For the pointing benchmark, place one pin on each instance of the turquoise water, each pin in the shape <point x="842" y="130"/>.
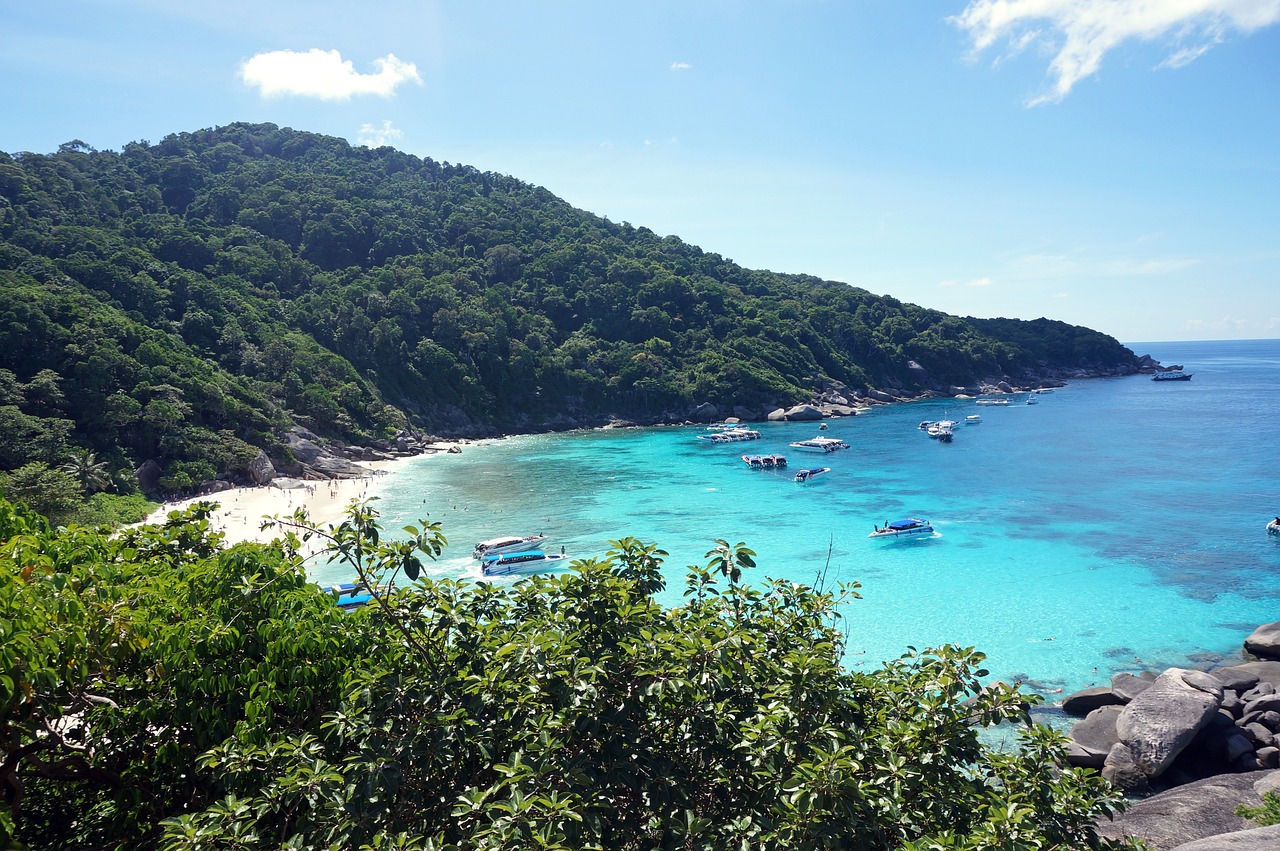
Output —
<point x="1117" y="525"/>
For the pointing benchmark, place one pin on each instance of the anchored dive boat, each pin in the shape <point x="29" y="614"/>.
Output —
<point x="903" y="528"/>
<point x="508" y="544"/>
<point x="810" y="473"/>
<point x="510" y="564"/>
<point x="820" y="444"/>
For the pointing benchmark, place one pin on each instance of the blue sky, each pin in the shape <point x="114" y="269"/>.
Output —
<point x="1112" y="163"/>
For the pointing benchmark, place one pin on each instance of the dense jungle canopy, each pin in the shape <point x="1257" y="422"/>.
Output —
<point x="186" y="301"/>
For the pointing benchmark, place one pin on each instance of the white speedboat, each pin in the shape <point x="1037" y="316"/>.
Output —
<point x="509" y="544"/>
<point x="1273" y="528"/>
<point x="942" y="430"/>
<point x="732" y="435"/>
<point x="810" y="473"/>
<point x="820" y="444"/>
<point x="531" y="561"/>
<point x="973" y="419"/>
<point x="903" y="528"/>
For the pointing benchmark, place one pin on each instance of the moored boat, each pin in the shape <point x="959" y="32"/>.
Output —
<point x="810" y="473"/>
<point x="903" y="528"/>
<point x="1273" y="528"/>
<point x="820" y="444"/>
<point x="1172" y="375"/>
<point x="531" y="561"/>
<point x="351" y="595"/>
<point x="732" y="435"/>
<point x="973" y="419"/>
<point x="510" y="543"/>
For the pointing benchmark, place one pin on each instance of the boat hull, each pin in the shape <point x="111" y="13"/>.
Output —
<point x="498" y="566"/>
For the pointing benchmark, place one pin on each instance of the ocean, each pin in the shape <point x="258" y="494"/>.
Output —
<point x="1117" y="525"/>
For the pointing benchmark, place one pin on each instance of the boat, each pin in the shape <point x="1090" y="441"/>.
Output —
<point x="351" y="595"/>
<point x="511" y="543"/>
<point x="529" y="561"/>
<point x="1032" y="400"/>
<point x="991" y="401"/>
<point x="903" y="528"/>
<point x="942" y="430"/>
<point x="973" y="419"/>
<point x="1273" y="528"/>
<point x="820" y="444"/>
<point x="810" y="473"/>
<point x="731" y="435"/>
<point x="757" y="462"/>
<point x="1172" y="375"/>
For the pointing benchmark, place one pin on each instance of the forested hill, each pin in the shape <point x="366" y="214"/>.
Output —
<point x="188" y="300"/>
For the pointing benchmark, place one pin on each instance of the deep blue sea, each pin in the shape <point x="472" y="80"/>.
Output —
<point x="1116" y="525"/>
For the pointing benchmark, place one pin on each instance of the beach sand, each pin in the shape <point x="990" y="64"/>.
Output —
<point x="241" y="510"/>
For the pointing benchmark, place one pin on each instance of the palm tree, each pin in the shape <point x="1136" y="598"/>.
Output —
<point x="84" y="466"/>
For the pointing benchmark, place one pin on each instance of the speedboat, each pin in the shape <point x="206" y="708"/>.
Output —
<point x="1032" y="400"/>
<point x="903" y="528"/>
<point x="820" y="444"/>
<point x="810" y="473"/>
<point x="1273" y="528"/>
<point x="530" y="561"/>
<point x="942" y="430"/>
<point x="973" y="419"/>
<point x="511" y="543"/>
<point x="352" y="595"/>
<point x="732" y="435"/>
<point x="1172" y="375"/>
<point x="755" y="462"/>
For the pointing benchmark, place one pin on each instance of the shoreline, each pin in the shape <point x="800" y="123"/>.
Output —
<point x="242" y="510"/>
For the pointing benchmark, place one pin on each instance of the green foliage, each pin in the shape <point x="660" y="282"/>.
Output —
<point x="113" y="510"/>
<point x="171" y="693"/>
<point x="53" y="493"/>
<point x="243" y="278"/>
<point x="1265" y="815"/>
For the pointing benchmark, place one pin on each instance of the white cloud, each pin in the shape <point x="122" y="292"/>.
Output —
<point x="1083" y="31"/>
<point x="324" y="74"/>
<point x="972" y="282"/>
<point x="1226" y="323"/>
<point x="376" y="137"/>
<point x="680" y="66"/>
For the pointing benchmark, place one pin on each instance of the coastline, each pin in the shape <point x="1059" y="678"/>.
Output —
<point x="241" y="510"/>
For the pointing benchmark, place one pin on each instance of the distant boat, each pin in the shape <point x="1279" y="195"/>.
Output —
<point x="731" y="435"/>
<point x="1172" y="375"/>
<point x="819" y="444"/>
<point x="973" y="419"/>
<point x="811" y="473"/>
<point x="903" y="528"/>
<point x="508" y="544"/>
<point x="510" y="564"/>
<point x="1273" y="528"/>
<point x="352" y="595"/>
<point x="757" y="462"/>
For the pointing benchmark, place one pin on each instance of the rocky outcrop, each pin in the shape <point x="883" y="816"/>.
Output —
<point x="1093" y="738"/>
<point x="803" y="413"/>
<point x="1258" y="839"/>
<point x="1193" y="812"/>
<point x="148" y="475"/>
<point x="261" y="470"/>
<point x="1264" y="642"/>
<point x="1083" y="702"/>
<point x="1159" y="723"/>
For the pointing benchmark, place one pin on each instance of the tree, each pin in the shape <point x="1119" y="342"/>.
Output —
<point x="217" y="699"/>
<point x="83" y="465"/>
<point x="53" y="493"/>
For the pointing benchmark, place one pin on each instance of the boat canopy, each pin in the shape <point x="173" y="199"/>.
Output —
<point x="904" y="524"/>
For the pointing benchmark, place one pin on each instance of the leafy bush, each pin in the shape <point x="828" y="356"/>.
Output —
<point x="171" y="692"/>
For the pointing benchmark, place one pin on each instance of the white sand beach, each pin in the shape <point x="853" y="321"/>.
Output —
<point x="241" y="510"/>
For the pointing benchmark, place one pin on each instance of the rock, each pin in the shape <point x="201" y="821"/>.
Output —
<point x="148" y="475"/>
<point x="742" y="414"/>
<point x="1094" y="737"/>
<point x="1262" y="689"/>
<point x="1082" y="702"/>
<point x="1258" y="839"/>
<point x="1265" y="671"/>
<point x="1188" y="813"/>
<point x="260" y="469"/>
<point x="1236" y="679"/>
<point x="1126" y="686"/>
<point x="880" y="396"/>
<point x="1004" y="387"/>
<point x="1121" y="770"/>
<point x="1160" y="722"/>
<point x="704" y="413"/>
<point x="777" y="415"/>
<point x="1263" y="703"/>
<point x="1268" y="757"/>
<point x="1259" y="734"/>
<point x="803" y="413"/>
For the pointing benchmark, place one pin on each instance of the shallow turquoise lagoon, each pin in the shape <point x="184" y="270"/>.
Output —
<point x="1118" y="524"/>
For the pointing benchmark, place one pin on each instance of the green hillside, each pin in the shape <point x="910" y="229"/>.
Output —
<point x="187" y="301"/>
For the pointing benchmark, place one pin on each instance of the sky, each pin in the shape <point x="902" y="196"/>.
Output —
<point x="1108" y="163"/>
